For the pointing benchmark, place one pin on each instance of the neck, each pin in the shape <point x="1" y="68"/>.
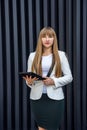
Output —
<point x="47" y="51"/>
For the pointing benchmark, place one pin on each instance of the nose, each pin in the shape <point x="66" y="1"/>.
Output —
<point x="47" y="38"/>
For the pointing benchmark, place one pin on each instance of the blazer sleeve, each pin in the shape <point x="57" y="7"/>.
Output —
<point x="29" y="64"/>
<point x="67" y="75"/>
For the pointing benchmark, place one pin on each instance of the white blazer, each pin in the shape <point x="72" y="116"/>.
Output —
<point x="53" y="91"/>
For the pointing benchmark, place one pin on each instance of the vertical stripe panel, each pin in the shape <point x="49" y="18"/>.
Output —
<point x="23" y="44"/>
<point x="53" y="13"/>
<point x="84" y="67"/>
<point x="31" y="22"/>
<point x="37" y="18"/>
<point x="61" y="24"/>
<point x="78" y="52"/>
<point x="1" y="77"/>
<point x="16" y="77"/>
<point x="8" y="64"/>
<point x="77" y="75"/>
<point x="45" y="12"/>
<point x="69" y="55"/>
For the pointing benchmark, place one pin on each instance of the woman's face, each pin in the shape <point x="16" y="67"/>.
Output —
<point x="47" y="41"/>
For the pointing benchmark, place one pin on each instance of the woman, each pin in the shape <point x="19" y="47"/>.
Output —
<point x="47" y="97"/>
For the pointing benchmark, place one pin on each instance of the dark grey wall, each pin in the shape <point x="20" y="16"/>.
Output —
<point x="20" y="23"/>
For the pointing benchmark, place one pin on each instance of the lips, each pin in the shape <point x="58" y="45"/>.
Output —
<point x="47" y="43"/>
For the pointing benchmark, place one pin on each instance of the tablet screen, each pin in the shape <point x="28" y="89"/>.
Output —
<point x="31" y="74"/>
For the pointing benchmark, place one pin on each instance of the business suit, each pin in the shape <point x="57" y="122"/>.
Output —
<point x="53" y="91"/>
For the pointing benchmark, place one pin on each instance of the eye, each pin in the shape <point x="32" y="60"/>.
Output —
<point x="50" y="36"/>
<point x="44" y="35"/>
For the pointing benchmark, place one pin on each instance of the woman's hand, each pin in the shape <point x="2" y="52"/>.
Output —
<point x="30" y="80"/>
<point x="48" y="81"/>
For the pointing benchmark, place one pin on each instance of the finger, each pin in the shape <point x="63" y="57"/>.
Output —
<point x="24" y="77"/>
<point x="46" y="78"/>
<point x="27" y="76"/>
<point x="30" y="77"/>
<point x="35" y="78"/>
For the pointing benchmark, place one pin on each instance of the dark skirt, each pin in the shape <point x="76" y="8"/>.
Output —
<point x="47" y="112"/>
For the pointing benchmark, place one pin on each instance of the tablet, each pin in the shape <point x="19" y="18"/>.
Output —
<point x="32" y="74"/>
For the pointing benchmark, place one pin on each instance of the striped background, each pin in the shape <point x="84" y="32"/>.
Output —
<point x="20" y="23"/>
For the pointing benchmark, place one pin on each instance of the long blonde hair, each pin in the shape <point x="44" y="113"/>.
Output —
<point x="36" y="65"/>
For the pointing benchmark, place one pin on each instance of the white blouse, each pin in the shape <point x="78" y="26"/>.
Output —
<point x="46" y="63"/>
